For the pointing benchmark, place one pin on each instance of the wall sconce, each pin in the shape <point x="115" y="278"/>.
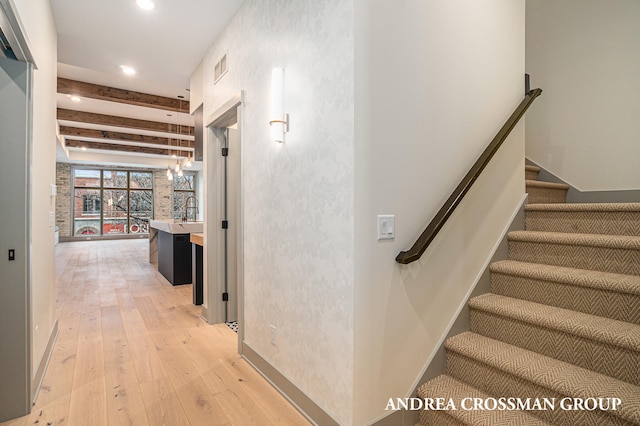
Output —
<point x="279" y="120"/>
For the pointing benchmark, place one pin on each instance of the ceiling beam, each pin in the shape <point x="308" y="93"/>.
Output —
<point x="73" y="143"/>
<point x="106" y="135"/>
<point x="106" y="93"/>
<point x="132" y="123"/>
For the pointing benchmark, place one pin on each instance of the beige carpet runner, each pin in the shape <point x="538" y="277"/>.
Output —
<point x="561" y="324"/>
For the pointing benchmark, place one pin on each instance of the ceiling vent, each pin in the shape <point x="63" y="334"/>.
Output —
<point x="220" y="69"/>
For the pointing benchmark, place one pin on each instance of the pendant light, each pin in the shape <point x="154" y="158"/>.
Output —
<point x="188" y="161"/>
<point x="178" y="169"/>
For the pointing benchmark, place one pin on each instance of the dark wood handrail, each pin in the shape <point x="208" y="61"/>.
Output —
<point x="463" y="187"/>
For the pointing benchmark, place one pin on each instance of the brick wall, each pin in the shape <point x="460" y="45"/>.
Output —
<point x="63" y="199"/>
<point x="162" y="195"/>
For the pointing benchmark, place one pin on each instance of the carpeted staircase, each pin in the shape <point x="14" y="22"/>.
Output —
<point x="562" y="320"/>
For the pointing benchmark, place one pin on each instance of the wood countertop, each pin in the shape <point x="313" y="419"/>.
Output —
<point x="197" y="239"/>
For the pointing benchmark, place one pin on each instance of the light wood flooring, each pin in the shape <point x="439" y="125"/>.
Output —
<point x="133" y="350"/>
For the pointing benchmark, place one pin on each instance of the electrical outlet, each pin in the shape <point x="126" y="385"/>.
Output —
<point x="273" y="334"/>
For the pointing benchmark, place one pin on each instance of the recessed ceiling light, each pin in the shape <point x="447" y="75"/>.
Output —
<point x="84" y="148"/>
<point x="145" y="4"/>
<point x="75" y="98"/>
<point x="127" y="70"/>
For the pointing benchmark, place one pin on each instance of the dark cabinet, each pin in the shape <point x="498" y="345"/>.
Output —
<point x="197" y="284"/>
<point x="174" y="257"/>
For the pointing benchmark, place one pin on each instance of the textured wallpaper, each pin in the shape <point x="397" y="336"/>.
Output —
<point x="298" y="196"/>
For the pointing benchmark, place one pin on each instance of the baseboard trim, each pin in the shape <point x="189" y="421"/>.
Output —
<point x="44" y="362"/>
<point x="437" y="363"/>
<point x="295" y="396"/>
<point x="575" y="195"/>
<point x="204" y="314"/>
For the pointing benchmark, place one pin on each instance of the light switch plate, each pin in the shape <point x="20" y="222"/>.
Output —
<point x="52" y="219"/>
<point x="386" y="226"/>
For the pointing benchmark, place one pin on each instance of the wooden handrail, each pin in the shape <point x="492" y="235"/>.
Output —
<point x="463" y="187"/>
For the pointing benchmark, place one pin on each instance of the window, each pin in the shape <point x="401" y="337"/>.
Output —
<point x="90" y="204"/>
<point x="115" y="179"/>
<point x="87" y="178"/>
<point x="115" y="212"/>
<point x="112" y="202"/>
<point x="183" y="188"/>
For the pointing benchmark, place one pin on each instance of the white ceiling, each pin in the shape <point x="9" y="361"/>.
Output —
<point x="164" y="45"/>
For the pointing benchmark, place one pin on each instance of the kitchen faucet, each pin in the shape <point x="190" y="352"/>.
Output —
<point x="190" y="207"/>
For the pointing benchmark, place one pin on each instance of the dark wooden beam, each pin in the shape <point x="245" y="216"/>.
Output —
<point x="112" y="94"/>
<point x="127" y="148"/>
<point x="127" y="137"/>
<point x="132" y="123"/>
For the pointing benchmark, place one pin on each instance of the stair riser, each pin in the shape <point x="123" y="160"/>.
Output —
<point x="502" y="384"/>
<point x="438" y="418"/>
<point x="460" y="410"/>
<point x="530" y="175"/>
<point x="594" y="301"/>
<point x="546" y="195"/>
<point x="459" y="399"/>
<point x="447" y="418"/>
<point x="617" y="362"/>
<point x="616" y="260"/>
<point x="611" y="223"/>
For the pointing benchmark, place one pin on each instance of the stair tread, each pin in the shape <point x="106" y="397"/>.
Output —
<point x="555" y="375"/>
<point x="621" y="283"/>
<point x="604" y="330"/>
<point x="599" y="240"/>
<point x="532" y="168"/>
<point x="447" y="387"/>
<point x="547" y="185"/>
<point x="584" y="207"/>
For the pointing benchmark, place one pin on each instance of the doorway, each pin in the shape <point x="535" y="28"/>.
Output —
<point x="16" y="390"/>
<point x="232" y="202"/>
<point x="223" y="270"/>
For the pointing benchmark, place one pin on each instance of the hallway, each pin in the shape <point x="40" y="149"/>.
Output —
<point x="132" y="349"/>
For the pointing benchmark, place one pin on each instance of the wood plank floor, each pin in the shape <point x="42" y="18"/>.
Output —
<point x="132" y="350"/>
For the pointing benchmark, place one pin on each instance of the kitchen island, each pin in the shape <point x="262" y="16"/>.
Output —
<point x="197" y="241"/>
<point x="170" y="248"/>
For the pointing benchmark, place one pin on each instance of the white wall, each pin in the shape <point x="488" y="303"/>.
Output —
<point x="435" y="81"/>
<point x="196" y="88"/>
<point x="298" y="196"/>
<point x="37" y="19"/>
<point x="584" y="54"/>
